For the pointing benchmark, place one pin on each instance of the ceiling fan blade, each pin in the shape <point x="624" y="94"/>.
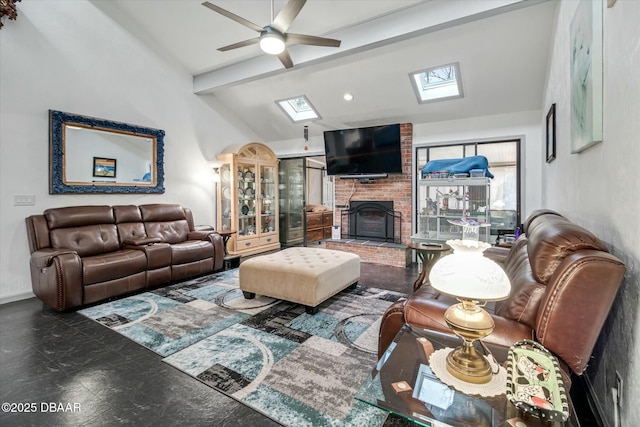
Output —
<point x="311" y="40"/>
<point x="239" y="44"/>
<point x="233" y="16"/>
<point x="285" y="59"/>
<point x="286" y="16"/>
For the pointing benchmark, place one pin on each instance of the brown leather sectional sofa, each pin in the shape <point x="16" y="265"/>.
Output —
<point x="563" y="283"/>
<point x="84" y="254"/>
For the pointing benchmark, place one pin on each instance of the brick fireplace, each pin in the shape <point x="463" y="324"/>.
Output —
<point x="395" y="188"/>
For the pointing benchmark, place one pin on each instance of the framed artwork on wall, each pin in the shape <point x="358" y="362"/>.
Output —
<point x="551" y="133"/>
<point x="104" y="168"/>
<point x="586" y="75"/>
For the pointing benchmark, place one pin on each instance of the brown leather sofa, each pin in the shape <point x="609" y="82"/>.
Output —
<point x="563" y="283"/>
<point x="84" y="254"/>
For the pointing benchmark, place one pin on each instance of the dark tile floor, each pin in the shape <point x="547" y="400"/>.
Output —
<point x="48" y="359"/>
<point x="51" y="359"/>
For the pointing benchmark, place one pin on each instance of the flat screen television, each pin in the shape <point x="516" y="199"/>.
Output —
<point x="361" y="151"/>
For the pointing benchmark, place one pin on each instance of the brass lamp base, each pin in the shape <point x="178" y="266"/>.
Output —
<point x="469" y="322"/>
<point x="466" y="364"/>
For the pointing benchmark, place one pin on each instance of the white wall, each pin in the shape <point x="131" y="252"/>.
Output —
<point x="70" y="56"/>
<point x="600" y="187"/>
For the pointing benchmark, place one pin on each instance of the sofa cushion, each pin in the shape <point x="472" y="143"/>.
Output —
<point x="167" y="222"/>
<point x="190" y="251"/>
<point x="162" y="212"/>
<point x="132" y="231"/>
<point x="552" y="240"/>
<point x="87" y="240"/>
<point x="127" y="213"/>
<point x="77" y="216"/>
<point x="129" y="223"/>
<point x="113" y="265"/>
<point x="526" y="293"/>
<point x="542" y="214"/>
<point x="169" y="232"/>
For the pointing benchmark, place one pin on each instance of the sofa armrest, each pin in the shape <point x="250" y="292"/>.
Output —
<point x="390" y="324"/>
<point x="44" y="257"/>
<point x="56" y="278"/>
<point x="218" y="245"/>
<point x="200" y="235"/>
<point x="218" y="250"/>
<point x="141" y="241"/>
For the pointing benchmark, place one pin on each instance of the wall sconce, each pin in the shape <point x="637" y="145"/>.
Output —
<point x="215" y="170"/>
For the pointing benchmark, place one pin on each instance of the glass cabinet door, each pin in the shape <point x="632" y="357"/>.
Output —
<point x="247" y="219"/>
<point x="267" y="199"/>
<point x="225" y="197"/>
<point x="292" y="201"/>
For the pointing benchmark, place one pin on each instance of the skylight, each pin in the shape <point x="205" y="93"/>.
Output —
<point x="298" y="109"/>
<point x="438" y="83"/>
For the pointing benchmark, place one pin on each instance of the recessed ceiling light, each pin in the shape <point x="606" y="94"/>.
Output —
<point x="348" y="96"/>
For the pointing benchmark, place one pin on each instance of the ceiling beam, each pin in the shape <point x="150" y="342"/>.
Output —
<point x="413" y="21"/>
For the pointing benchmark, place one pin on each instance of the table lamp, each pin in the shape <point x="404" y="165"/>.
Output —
<point x="470" y="277"/>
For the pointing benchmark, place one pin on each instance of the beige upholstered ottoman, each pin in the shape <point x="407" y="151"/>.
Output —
<point x="305" y="276"/>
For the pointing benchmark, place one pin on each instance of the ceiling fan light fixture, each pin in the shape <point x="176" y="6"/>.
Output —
<point x="274" y="37"/>
<point x="272" y="43"/>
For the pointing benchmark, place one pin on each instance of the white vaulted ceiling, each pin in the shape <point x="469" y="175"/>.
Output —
<point x="502" y="48"/>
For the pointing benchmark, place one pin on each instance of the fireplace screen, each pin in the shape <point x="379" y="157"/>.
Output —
<point x="371" y="220"/>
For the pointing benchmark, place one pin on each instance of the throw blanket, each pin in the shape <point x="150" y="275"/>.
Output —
<point x="462" y="165"/>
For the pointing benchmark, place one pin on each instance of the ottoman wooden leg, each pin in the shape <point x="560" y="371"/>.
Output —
<point x="249" y="295"/>
<point x="311" y="310"/>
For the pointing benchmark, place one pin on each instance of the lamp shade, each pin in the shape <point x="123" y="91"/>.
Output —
<point x="467" y="274"/>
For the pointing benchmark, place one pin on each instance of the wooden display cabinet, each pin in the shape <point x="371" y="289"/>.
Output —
<point x="248" y="198"/>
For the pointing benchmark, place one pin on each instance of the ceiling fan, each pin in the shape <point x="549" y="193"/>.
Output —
<point x="274" y="38"/>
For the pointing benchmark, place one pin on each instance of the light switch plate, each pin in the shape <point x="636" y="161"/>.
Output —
<point x="24" y="200"/>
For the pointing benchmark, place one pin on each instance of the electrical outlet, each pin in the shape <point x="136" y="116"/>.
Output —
<point x="619" y="385"/>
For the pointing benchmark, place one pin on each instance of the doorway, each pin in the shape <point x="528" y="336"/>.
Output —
<point x="303" y="183"/>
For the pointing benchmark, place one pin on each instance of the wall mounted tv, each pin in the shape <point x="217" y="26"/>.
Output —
<point x="363" y="151"/>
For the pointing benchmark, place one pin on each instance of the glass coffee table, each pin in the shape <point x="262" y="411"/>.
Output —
<point x="402" y="383"/>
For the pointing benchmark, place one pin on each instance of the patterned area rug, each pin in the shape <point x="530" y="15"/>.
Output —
<point x="169" y="319"/>
<point x="296" y="368"/>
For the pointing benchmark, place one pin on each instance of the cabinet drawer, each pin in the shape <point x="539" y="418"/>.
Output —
<point x="327" y="218"/>
<point x="243" y="244"/>
<point x="313" y="235"/>
<point x="314" y="220"/>
<point x="295" y="233"/>
<point x="269" y="240"/>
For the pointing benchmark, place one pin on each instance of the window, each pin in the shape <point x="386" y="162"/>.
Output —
<point x="504" y="164"/>
<point x="438" y="83"/>
<point x="298" y="109"/>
